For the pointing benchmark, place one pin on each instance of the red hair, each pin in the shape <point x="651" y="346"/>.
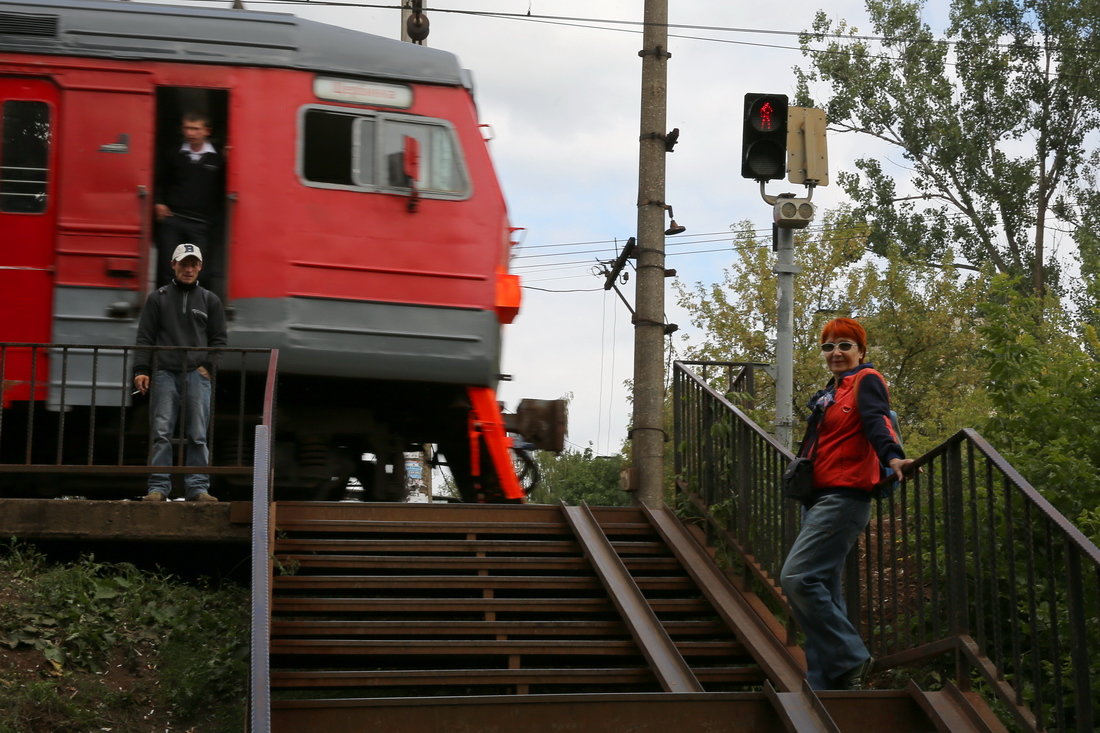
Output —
<point x="846" y="328"/>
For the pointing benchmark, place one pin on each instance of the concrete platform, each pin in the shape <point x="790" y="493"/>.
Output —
<point x="125" y="521"/>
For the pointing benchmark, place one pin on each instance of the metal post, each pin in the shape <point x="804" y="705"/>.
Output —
<point x="677" y="420"/>
<point x="647" y="432"/>
<point x="1079" y="645"/>
<point x="785" y="270"/>
<point x="958" y="605"/>
<point x="260" y="680"/>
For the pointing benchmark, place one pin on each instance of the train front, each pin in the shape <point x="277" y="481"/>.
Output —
<point x="369" y="242"/>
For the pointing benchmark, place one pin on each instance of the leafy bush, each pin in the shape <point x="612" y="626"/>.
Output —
<point x="185" y="645"/>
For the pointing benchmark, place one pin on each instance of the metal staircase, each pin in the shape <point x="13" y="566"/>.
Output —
<point x="414" y="617"/>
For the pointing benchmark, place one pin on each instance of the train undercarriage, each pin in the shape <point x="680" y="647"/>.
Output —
<point x="334" y="439"/>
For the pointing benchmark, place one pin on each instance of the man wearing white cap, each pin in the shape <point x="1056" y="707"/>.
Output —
<point x="181" y="313"/>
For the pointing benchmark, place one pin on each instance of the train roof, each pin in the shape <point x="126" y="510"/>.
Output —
<point x="131" y="30"/>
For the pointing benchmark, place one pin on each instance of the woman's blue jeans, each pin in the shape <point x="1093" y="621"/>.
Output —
<point x="811" y="578"/>
<point x="170" y="392"/>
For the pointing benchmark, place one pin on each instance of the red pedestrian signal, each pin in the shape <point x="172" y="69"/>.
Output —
<point x="764" y="141"/>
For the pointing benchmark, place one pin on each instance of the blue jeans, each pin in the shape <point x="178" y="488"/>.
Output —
<point x="170" y="390"/>
<point x="811" y="578"/>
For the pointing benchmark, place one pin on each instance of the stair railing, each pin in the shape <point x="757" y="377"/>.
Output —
<point x="966" y="572"/>
<point x="72" y="410"/>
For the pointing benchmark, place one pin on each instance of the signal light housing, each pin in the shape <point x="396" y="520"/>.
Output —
<point x="792" y="213"/>
<point x="764" y="141"/>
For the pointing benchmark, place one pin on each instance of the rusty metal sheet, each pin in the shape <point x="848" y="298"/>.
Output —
<point x="461" y="515"/>
<point x="769" y="652"/>
<point x="455" y="629"/>
<point x="435" y="563"/>
<point x="450" y="562"/>
<point x="875" y="710"/>
<point x="421" y="546"/>
<point x="570" y="676"/>
<point x="800" y="711"/>
<point x="637" y="713"/>
<point x="669" y="667"/>
<point x="354" y="525"/>
<point x="309" y="583"/>
<point x="952" y="712"/>
<point x="451" y="647"/>
<point x="449" y="605"/>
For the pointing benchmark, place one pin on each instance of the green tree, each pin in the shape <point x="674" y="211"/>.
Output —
<point x="576" y="476"/>
<point x="1044" y="388"/>
<point x="920" y="320"/>
<point x="993" y="122"/>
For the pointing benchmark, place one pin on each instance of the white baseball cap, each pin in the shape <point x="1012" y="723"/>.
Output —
<point x="186" y="250"/>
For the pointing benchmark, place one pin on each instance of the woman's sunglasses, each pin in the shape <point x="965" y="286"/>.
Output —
<point x="828" y="347"/>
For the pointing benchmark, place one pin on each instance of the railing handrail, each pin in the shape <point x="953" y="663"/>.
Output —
<point x="262" y="559"/>
<point x="133" y="347"/>
<point x="706" y="362"/>
<point x="967" y="557"/>
<point x="763" y="435"/>
<point x="47" y="380"/>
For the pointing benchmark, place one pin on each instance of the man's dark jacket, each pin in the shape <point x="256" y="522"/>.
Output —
<point x="180" y="315"/>
<point x="191" y="189"/>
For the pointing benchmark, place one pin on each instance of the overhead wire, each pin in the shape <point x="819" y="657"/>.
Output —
<point x="735" y="239"/>
<point x="584" y="21"/>
<point x="604" y="23"/>
<point x="633" y="25"/>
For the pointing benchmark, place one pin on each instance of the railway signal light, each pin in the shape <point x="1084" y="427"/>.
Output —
<point x="792" y="213"/>
<point x="764" y="142"/>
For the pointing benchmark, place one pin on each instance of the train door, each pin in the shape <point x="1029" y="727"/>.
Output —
<point x="103" y="225"/>
<point x="28" y="206"/>
<point x="203" y="192"/>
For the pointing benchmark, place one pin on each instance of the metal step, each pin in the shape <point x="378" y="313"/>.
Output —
<point x="801" y="711"/>
<point x="536" y="618"/>
<point x="951" y="711"/>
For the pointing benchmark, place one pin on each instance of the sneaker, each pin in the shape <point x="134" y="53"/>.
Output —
<point x="204" y="496"/>
<point x="853" y="679"/>
<point x="155" y="496"/>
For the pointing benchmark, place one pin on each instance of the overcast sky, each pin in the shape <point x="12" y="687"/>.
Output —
<point x="562" y="99"/>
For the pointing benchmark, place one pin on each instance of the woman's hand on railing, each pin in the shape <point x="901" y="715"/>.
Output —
<point x="900" y="466"/>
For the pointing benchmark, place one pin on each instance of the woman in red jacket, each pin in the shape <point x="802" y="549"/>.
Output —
<point x="853" y="440"/>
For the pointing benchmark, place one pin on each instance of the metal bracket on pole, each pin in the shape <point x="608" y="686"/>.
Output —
<point x="620" y="262"/>
<point x="771" y="200"/>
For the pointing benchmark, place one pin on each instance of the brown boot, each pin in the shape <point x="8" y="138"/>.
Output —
<point x="155" y="496"/>
<point x="204" y="496"/>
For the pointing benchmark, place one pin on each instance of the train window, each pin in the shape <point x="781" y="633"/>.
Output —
<point x="439" y="166"/>
<point x="342" y="149"/>
<point x="327" y="146"/>
<point x="24" y="156"/>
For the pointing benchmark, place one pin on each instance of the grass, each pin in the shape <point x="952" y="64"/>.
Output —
<point x="89" y="646"/>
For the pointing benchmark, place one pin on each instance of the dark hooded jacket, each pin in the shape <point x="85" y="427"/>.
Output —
<point x="179" y="315"/>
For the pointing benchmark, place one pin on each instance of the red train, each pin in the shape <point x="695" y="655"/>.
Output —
<point x="384" y="293"/>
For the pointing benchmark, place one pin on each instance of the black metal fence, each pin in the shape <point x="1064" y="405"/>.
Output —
<point x="71" y="409"/>
<point x="966" y="571"/>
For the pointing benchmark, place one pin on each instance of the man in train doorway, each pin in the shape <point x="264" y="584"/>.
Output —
<point x="188" y="197"/>
<point x="181" y="313"/>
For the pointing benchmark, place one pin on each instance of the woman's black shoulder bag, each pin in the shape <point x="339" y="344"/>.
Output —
<point x="798" y="479"/>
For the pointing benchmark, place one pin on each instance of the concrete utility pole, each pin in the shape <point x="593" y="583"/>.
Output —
<point x="785" y="270"/>
<point x="647" y="433"/>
